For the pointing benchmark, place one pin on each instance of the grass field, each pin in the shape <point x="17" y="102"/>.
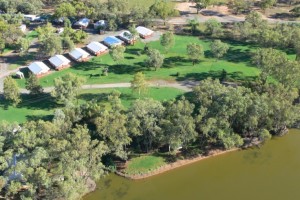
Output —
<point x="42" y="107"/>
<point x="236" y="63"/>
<point x="144" y="164"/>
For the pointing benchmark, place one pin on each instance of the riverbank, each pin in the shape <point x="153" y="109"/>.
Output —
<point x="174" y="165"/>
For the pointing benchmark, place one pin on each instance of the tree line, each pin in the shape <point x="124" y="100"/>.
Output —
<point x="57" y="158"/>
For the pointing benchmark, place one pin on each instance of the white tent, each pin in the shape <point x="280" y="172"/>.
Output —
<point x="100" y="23"/>
<point x="97" y="48"/>
<point x="84" y="22"/>
<point x="23" y="28"/>
<point x="79" y="54"/>
<point x="59" y="61"/>
<point x="144" y="32"/>
<point x="38" y="68"/>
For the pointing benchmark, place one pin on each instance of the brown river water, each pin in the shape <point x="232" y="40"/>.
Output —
<point x="271" y="172"/>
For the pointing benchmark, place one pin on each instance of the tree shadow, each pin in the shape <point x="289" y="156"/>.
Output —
<point x="127" y="69"/>
<point x="38" y="102"/>
<point x="233" y="76"/>
<point x="175" y="61"/>
<point x="134" y="51"/>
<point x="39" y="117"/>
<point x="103" y="97"/>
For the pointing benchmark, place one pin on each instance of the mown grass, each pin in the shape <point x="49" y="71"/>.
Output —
<point x="144" y="164"/>
<point x="236" y="63"/>
<point x="42" y="107"/>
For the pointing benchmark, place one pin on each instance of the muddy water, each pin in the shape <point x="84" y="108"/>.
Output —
<point x="271" y="172"/>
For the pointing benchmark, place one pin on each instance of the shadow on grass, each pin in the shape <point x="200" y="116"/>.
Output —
<point x="39" y="117"/>
<point x="233" y="76"/>
<point x="103" y="97"/>
<point x="234" y="55"/>
<point x="38" y="102"/>
<point x="175" y="61"/>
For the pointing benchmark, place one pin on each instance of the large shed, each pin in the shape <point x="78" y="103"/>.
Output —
<point x="112" y="41"/>
<point x="39" y="69"/>
<point x="59" y="62"/>
<point x="144" y="32"/>
<point x="79" y="55"/>
<point x="97" y="48"/>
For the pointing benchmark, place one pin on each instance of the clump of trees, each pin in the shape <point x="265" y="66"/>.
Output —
<point x="56" y="156"/>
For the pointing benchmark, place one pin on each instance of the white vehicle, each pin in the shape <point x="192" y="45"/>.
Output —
<point x="32" y="18"/>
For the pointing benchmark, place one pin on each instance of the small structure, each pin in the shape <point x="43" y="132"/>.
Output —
<point x="39" y="69"/>
<point x="31" y="18"/>
<point x="20" y="74"/>
<point x="82" y="23"/>
<point x="79" y="55"/>
<point x="59" y="62"/>
<point x="127" y="37"/>
<point x="144" y="32"/>
<point x="60" y="31"/>
<point x="101" y="24"/>
<point x="97" y="48"/>
<point x="112" y="41"/>
<point x="23" y="28"/>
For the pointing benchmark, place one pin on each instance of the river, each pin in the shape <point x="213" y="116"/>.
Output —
<point x="271" y="172"/>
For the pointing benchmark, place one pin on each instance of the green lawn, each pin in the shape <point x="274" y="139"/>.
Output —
<point x="144" y="164"/>
<point x="236" y="63"/>
<point x="42" y="107"/>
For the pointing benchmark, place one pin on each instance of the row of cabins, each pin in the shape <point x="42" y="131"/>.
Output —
<point x="60" y="62"/>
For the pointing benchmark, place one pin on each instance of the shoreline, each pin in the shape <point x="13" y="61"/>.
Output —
<point x="175" y="165"/>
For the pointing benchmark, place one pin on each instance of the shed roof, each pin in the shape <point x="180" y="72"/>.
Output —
<point x="126" y="35"/>
<point x="78" y="53"/>
<point x="59" y="60"/>
<point x="38" y="68"/>
<point x="83" y="22"/>
<point x="96" y="47"/>
<point x="143" y="30"/>
<point x="112" y="40"/>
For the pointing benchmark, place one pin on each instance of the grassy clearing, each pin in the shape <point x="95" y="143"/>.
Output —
<point x="42" y="107"/>
<point x="144" y="164"/>
<point x="236" y="63"/>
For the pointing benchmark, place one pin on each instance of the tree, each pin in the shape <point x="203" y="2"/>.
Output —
<point x="117" y="53"/>
<point x="213" y="28"/>
<point x="67" y="43"/>
<point x="22" y="46"/>
<point x="65" y="10"/>
<point x="218" y="48"/>
<point x="139" y="83"/>
<point x="50" y="46"/>
<point x="11" y="91"/>
<point x="167" y="40"/>
<point x="155" y="59"/>
<point x="296" y="11"/>
<point x="204" y="3"/>
<point x="194" y="24"/>
<point x="143" y="122"/>
<point x="134" y="33"/>
<point x="195" y="52"/>
<point x="111" y="127"/>
<point x="239" y="6"/>
<point x="66" y="87"/>
<point x="32" y="84"/>
<point x="2" y="45"/>
<point x="162" y="9"/>
<point x="178" y="124"/>
<point x="264" y="4"/>
<point x="268" y="60"/>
